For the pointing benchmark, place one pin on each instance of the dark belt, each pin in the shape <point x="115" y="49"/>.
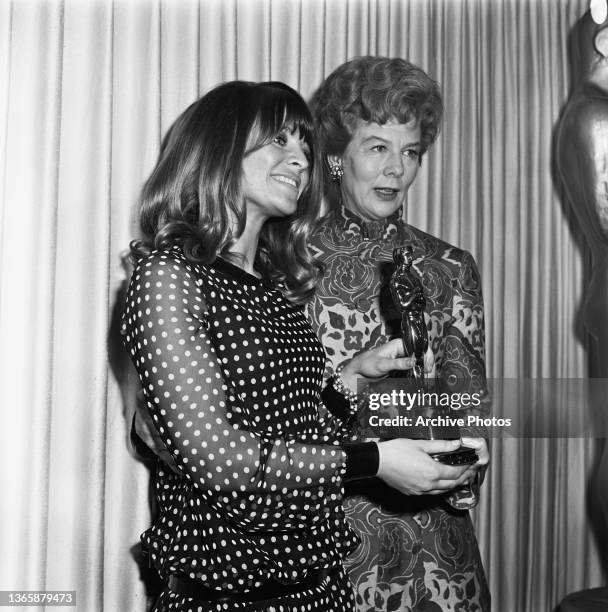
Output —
<point x="271" y="589"/>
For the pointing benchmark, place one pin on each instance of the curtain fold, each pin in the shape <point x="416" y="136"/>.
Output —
<point x="87" y="91"/>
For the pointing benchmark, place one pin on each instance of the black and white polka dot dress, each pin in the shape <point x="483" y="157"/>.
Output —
<point x="232" y="375"/>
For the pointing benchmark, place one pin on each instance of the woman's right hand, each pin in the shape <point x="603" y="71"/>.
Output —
<point x="406" y="465"/>
<point x="378" y="362"/>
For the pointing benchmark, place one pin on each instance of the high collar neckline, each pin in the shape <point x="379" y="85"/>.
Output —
<point x="368" y="229"/>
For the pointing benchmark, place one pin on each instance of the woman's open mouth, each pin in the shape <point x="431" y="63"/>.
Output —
<point x="386" y="193"/>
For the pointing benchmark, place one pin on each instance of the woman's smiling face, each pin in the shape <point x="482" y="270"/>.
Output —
<point x="275" y="175"/>
<point x="380" y="163"/>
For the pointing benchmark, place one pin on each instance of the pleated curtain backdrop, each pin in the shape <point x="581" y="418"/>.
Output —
<point x="87" y="90"/>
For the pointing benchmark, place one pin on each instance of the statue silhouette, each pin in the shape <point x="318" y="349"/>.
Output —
<point x="582" y="164"/>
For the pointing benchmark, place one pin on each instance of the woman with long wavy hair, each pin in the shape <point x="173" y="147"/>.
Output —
<point x="232" y="373"/>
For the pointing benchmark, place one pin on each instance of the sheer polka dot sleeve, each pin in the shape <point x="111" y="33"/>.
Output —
<point x="238" y="428"/>
<point x="335" y="423"/>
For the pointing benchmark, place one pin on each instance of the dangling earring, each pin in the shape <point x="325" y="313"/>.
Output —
<point x="336" y="171"/>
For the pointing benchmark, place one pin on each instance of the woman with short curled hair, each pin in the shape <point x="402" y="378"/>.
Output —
<point x="376" y="117"/>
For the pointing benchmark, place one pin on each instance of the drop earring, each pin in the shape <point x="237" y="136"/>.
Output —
<point x="336" y="171"/>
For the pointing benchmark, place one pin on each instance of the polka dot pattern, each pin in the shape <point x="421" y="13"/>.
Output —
<point x="333" y="595"/>
<point x="232" y="373"/>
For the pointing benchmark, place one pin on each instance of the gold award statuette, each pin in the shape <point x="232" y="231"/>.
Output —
<point x="408" y="295"/>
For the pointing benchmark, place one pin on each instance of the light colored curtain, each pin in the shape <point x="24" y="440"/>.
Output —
<point x="87" y="90"/>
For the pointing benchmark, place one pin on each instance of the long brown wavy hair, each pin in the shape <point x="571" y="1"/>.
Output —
<point x="194" y="193"/>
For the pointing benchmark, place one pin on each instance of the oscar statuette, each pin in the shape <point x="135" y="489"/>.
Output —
<point x="408" y="295"/>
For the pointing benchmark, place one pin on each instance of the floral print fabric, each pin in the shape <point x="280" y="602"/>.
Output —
<point x="416" y="553"/>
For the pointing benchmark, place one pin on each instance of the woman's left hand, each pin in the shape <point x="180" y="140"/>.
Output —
<point x="481" y="448"/>
<point x="483" y="454"/>
<point x="378" y="362"/>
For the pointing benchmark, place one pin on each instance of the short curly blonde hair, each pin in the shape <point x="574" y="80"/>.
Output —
<point x="375" y="89"/>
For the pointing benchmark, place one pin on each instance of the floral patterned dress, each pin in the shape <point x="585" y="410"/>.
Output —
<point x="417" y="553"/>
